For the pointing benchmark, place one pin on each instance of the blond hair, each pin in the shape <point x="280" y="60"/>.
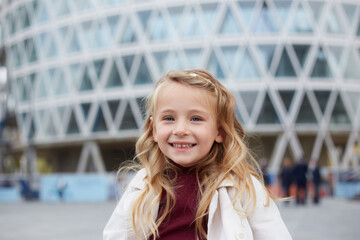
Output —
<point x="230" y="159"/>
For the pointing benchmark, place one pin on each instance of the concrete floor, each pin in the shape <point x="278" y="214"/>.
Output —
<point x="333" y="219"/>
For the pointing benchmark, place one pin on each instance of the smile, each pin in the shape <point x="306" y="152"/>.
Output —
<point x="179" y="145"/>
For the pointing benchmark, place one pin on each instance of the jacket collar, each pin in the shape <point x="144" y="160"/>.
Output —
<point x="139" y="183"/>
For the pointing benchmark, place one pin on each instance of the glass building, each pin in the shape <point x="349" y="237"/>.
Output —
<point x="79" y="71"/>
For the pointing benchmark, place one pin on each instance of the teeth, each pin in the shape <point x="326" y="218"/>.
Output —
<point x="182" y="145"/>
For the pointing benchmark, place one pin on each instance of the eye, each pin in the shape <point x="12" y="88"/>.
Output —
<point x="168" y="118"/>
<point x="196" y="119"/>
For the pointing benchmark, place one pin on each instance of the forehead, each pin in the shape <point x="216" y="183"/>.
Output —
<point x="171" y="89"/>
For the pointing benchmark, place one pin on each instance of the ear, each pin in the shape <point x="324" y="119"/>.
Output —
<point x="153" y="129"/>
<point x="219" y="137"/>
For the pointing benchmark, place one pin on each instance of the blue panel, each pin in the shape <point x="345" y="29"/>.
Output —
<point x="74" y="188"/>
<point x="10" y="194"/>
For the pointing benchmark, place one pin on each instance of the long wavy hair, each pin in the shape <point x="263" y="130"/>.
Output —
<point x="230" y="159"/>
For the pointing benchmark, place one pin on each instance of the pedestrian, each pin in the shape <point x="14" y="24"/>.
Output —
<point x="299" y="173"/>
<point x="316" y="179"/>
<point x="197" y="179"/>
<point x="265" y="173"/>
<point x="286" y="177"/>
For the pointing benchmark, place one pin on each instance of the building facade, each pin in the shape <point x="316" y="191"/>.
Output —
<point x="79" y="71"/>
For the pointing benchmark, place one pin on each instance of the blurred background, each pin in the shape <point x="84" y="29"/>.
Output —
<point x="74" y="74"/>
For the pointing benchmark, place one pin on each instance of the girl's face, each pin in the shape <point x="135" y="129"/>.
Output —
<point x="184" y="123"/>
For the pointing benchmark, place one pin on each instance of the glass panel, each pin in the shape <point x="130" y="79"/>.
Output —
<point x="352" y="69"/>
<point x="159" y="29"/>
<point x="99" y="123"/>
<point x="113" y="25"/>
<point x="101" y="36"/>
<point x="317" y="9"/>
<point x="214" y="67"/>
<point x="113" y="2"/>
<point x="144" y="17"/>
<point x="268" y="114"/>
<point x="85" y="5"/>
<point x="98" y="66"/>
<point x="192" y="26"/>
<point x="24" y="90"/>
<point x="42" y="90"/>
<point x="143" y="75"/>
<point x="176" y="16"/>
<point x="283" y="8"/>
<point x="238" y="115"/>
<point x="229" y="53"/>
<point x="75" y="71"/>
<point x="287" y="97"/>
<point x="230" y="24"/>
<point x="141" y="102"/>
<point x="339" y="114"/>
<point x="306" y="113"/>
<point x="267" y="54"/>
<point x="128" y="121"/>
<point x="333" y="24"/>
<point x="161" y="60"/>
<point x="25" y="20"/>
<point x="63" y="9"/>
<point x="88" y="34"/>
<point x="63" y="33"/>
<point x="265" y="22"/>
<point x="42" y="13"/>
<point x="73" y="127"/>
<point x="113" y="106"/>
<point x="350" y="12"/>
<point x="128" y="62"/>
<point x="322" y="98"/>
<point x="247" y="10"/>
<point x="74" y="45"/>
<point x="86" y="83"/>
<point x="33" y="55"/>
<point x="335" y="53"/>
<point x="355" y="100"/>
<point x="174" y="61"/>
<point x="52" y="50"/>
<point x="50" y="129"/>
<point x="247" y="68"/>
<point x="61" y="113"/>
<point x="85" y="107"/>
<point x="285" y="67"/>
<point x="249" y="99"/>
<point x="61" y="88"/>
<point x="321" y="67"/>
<point x="301" y="22"/>
<point x="302" y="52"/>
<point x="129" y="34"/>
<point x="210" y="12"/>
<point x="114" y="79"/>
<point x="193" y="57"/>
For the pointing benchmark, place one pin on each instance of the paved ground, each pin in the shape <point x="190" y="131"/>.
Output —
<point x="333" y="219"/>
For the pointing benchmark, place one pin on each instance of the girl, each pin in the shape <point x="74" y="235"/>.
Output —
<point x="197" y="179"/>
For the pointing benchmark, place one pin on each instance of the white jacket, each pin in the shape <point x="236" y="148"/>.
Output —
<point x="224" y="223"/>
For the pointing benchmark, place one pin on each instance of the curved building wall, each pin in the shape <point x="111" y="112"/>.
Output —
<point x="80" y="69"/>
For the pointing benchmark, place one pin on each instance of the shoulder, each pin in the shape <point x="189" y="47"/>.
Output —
<point x="138" y="180"/>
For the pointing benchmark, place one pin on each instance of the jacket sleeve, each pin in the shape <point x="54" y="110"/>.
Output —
<point x="119" y="226"/>
<point x="266" y="222"/>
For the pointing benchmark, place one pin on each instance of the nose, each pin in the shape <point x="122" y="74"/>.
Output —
<point x="181" y="129"/>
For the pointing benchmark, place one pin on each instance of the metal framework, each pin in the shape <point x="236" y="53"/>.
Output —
<point x="80" y="69"/>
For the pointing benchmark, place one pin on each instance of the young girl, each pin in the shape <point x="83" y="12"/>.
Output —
<point x="197" y="179"/>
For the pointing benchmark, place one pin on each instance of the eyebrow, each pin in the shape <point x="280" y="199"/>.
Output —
<point x="191" y="111"/>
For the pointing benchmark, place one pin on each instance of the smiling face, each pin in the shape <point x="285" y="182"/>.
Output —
<point x="184" y="123"/>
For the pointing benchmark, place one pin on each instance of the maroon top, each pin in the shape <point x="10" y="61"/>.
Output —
<point x="179" y="224"/>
